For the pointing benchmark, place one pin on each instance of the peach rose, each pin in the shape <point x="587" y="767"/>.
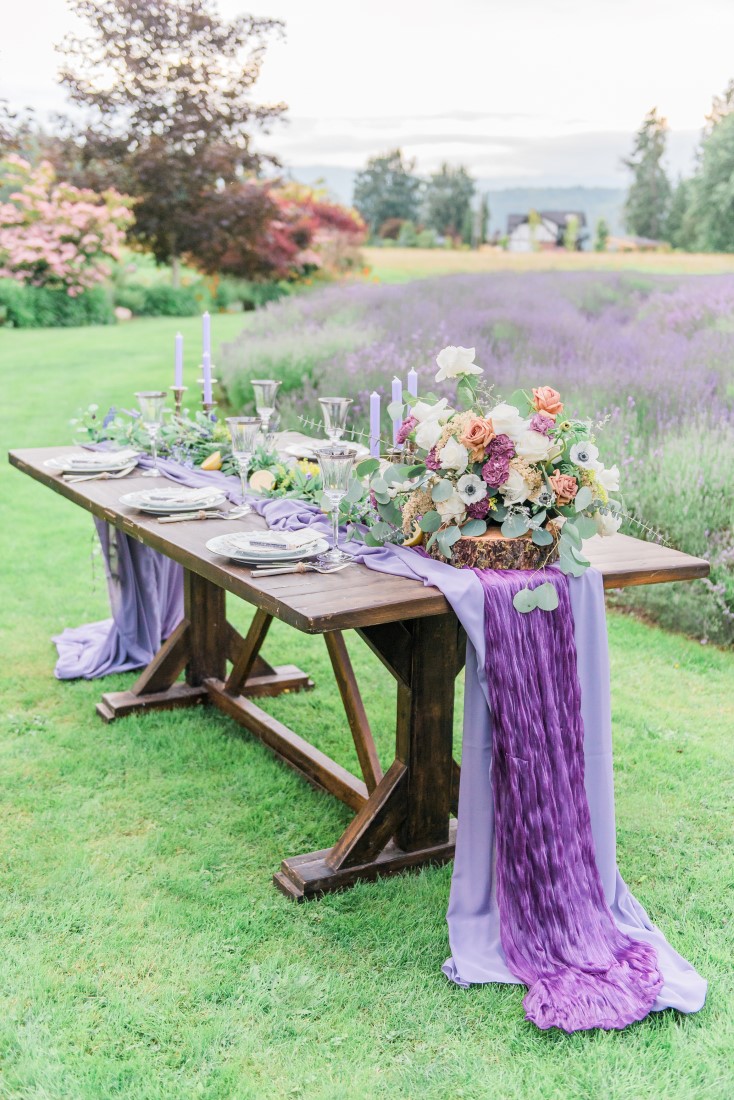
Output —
<point x="477" y="434"/>
<point x="546" y="400"/>
<point x="564" y="486"/>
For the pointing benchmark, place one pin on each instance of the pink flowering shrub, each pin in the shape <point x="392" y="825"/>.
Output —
<point x="55" y="235"/>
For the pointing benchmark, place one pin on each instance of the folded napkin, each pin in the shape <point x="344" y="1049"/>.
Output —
<point x="273" y="540"/>
<point x="183" y="496"/>
<point x="104" y="458"/>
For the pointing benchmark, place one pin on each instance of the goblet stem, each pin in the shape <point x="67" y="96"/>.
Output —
<point x="335" y="526"/>
<point x="153" y="436"/>
<point x="244" y="468"/>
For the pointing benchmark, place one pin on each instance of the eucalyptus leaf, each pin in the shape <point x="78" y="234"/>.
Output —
<point x="474" y="527"/>
<point x="570" y="533"/>
<point x="390" y="513"/>
<point x="499" y="512"/>
<point x="395" y="410"/>
<point x="541" y="537"/>
<point x="369" y="539"/>
<point x="442" y="490"/>
<point x="381" y="531"/>
<point x="431" y="521"/>
<point x="524" y="600"/>
<point x="378" y="485"/>
<point x="354" y="493"/>
<point x="521" y="401"/>
<point x="515" y="525"/>
<point x="579" y="556"/>
<point x="431" y="540"/>
<point x="546" y="596"/>
<point x="585" y="526"/>
<point x="465" y="393"/>
<point x="453" y="534"/>
<point x="367" y="466"/>
<point x="583" y="498"/>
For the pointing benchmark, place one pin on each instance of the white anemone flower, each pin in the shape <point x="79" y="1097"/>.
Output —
<point x="533" y="446"/>
<point x="584" y="454"/>
<point x="452" y="510"/>
<point x="607" y="524"/>
<point x="455" y="362"/>
<point x="506" y="420"/>
<point x="471" y="489"/>
<point x="453" y="456"/>
<point x="516" y="489"/>
<point x="609" y="479"/>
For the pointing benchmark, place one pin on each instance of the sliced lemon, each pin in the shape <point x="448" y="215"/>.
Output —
<point x="262" y="481"/>
<point x="213" y="462"/>
<point x="416" y="537"/>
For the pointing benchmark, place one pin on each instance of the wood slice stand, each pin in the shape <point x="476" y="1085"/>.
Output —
<point x="494" y="551"/>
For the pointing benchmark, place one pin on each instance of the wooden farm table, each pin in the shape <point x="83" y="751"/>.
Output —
<point x="403" y="818"/>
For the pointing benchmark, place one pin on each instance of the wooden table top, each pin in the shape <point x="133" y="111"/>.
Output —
<point x="313" y="602"/>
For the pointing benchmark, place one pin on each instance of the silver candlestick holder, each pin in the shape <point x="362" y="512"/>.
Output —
<point x="207" y="406"/>
<point x="178" y="392"/>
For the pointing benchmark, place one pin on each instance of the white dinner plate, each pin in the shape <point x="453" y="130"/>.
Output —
<point x="161" y="502"/>
<point x="223" y="547"/>
<point x="95" y="462"/>
<point x="303" y="450"/>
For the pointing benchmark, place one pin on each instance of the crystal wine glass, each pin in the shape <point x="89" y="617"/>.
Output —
<point x="334" y="411"/>
<point x="151" y="404"/>
<point x="266" y="390"/>
<point x="243" y="431"/>
<point x="336" y="467"/>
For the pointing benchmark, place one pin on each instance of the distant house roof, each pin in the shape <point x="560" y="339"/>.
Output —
<point x="558" y="217"/>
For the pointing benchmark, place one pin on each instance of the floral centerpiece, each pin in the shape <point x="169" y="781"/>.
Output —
<point x="517" y="470"/>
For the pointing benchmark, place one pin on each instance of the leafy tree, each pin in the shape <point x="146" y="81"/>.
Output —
<point x="648" y="199"/>
<point x="571" y="233"/>
<point x="713" y="189"/>
<point x="721" y="106"/>
<point x="448" y="201"/>
<point x="602" y="235"/>
<point x="483" y="219"/>
<point x="386" y="189"/>
<point x="167" y="90"/>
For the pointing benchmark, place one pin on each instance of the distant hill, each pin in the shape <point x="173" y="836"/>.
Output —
<point x="596" y="202"/>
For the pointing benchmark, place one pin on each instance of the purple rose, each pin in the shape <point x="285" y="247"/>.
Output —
<point x="432" y="462"/>
<point x="478" y="510"/>
<point x="406" y="428"/>
<point x="542" y="424"/>
<point x="496" y="470"/>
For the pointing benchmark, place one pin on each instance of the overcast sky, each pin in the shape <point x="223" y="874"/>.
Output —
<point x="521" y="91"/>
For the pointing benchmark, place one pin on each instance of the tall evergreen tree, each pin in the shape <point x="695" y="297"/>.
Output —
<point x="448" y="201"/>
<point x="387" y="188"/>
<point x="713" y="189"/>
<point x="648" y="198"/>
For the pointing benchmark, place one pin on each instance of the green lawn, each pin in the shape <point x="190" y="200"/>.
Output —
<point x="146" y="954"/>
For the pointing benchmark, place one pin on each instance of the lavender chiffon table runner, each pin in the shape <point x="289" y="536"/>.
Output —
<point x="552" y="914"/>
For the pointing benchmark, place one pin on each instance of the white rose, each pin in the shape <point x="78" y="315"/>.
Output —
<point x="607" y="524"/>
<point x="584" y="454"/>
<point x="515" y="490"/>
<point x="609" y="479"/>
<point x="506" y="420"/>
<point x="534" y="446"/>
<point x="439" y="411"/>
<point x="428" y="434"/>
<point x="402" y="487"/>
<point x="452" y="510"/>
<point x="453" y="456"/>
<point x="454" y="362"/>
<point x="471" y="489"/>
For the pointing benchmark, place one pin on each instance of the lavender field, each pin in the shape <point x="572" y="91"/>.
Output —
<point x="653" y="355"/>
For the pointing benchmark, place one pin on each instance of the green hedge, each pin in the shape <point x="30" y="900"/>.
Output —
<point x="23" y="306"/>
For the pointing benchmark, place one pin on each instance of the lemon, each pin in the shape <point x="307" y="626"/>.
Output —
<point x="416" y="537"/>
<point x="262" y="481"/>
<point x="213" y="462"/>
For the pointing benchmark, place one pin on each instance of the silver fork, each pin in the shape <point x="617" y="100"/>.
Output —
<point x="105" y="475"/>
<point x="204" y="513"/>
<point x="301" y="567"/>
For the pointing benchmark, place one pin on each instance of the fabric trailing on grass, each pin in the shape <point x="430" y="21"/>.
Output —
<point x="557" y="931"/>
<point x="536" y="896"/>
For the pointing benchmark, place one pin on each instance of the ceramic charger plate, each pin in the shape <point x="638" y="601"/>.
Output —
<point x="226" y="546"/>
<point x="93" y="462"/>
<point x="161" y="502"/>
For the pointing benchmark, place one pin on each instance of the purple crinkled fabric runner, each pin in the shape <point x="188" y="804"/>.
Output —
<point x="557" y="931"/>
<point x="536" y="896"/>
